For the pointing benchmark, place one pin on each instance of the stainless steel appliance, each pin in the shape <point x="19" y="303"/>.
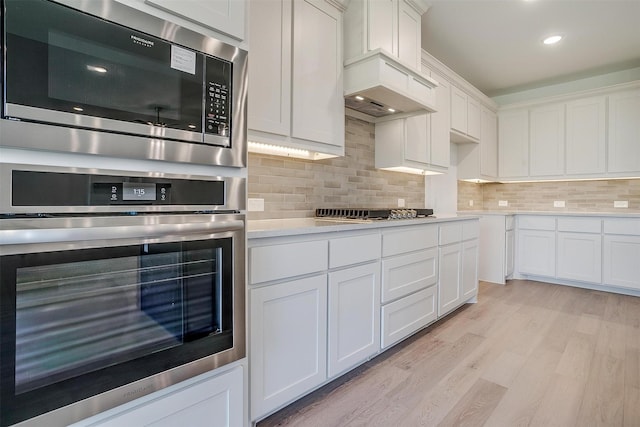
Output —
<point x="103" y="78"/>
<point x="372" y="213"/>
<point x="113" y="286"/>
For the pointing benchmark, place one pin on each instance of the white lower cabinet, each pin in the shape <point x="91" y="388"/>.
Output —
<point x="288" y="339"/>
<point x="212" y="401"/>
<point x="404" y="274"/>
<point x="458" y="264"/>
<point x="537" y="252"/>
<point x="580" y="257"/>
<point x="407" y="315"/>
<point x="622" y="261"/>
<point x="354" y="316"/>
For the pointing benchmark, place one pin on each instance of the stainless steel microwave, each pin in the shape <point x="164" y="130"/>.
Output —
<point x="103" y="78"/>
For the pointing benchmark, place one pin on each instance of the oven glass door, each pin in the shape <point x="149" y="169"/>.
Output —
<point x="81" y="322"/>
<point x="67" y="67"/>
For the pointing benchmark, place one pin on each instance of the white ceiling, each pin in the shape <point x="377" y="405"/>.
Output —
<point x="496" y="45"/>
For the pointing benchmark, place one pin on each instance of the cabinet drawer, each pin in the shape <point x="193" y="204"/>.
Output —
<point x="624" y="226"/>
<point x="470" y="230"/>
<point x="409" y="239"/>
<point x="580" y="225"/>
<point x="450" y="233"/>
<point x="537" y="223"/>
<point x="408" y="315"/>
<point x="287" y="260"/>
<point x="353" y="250"/>
<point x="404" y="274"/>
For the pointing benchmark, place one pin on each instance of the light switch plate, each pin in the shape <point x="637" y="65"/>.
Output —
<point x="401" y="203"/>
<point x="255" y="205"/>
<point x="621" y="204"/>
<point x="558" y="203"/>
<point x="470" y="203"/>
<point x="503" y="203"/>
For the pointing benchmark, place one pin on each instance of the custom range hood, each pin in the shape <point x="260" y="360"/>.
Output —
<point x="377" y="85"/>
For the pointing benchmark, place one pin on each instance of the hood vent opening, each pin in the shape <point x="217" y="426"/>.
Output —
<point x="369" y="107"/>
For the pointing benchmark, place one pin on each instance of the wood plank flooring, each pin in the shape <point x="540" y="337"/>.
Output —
<point x="528" y="354"/>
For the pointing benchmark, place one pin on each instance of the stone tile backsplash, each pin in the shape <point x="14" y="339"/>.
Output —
<point x="294" y="188"/>
<point x="579" y="196"/>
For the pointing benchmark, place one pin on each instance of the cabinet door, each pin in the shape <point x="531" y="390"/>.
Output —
<point x="586" y="136"/>
<point x="546" y="141"/>
<point x="489" y="144"/>
<point x="469" y="281"/>
<point x="458" y="110"/>
<point x="288" y="354"/>
<point x="318" y="103"/>
<point x="382" y="25"/>
<point x="270" y="67"/>
<point x="473" y="118"/>
<point x="225" y="16"/>
<point x="537" y="252"/>
<point x="449" y="283"/>
<point x="211" y="402"/>
<point x="440" y="126"/>
<point x="354" y="316"/>
<point x="416" y="144"/>
<point x="409" y="35"/>
<point x="621" y="266"/>
<point x="580" y="257"/>
<point x="513" y="144"/>
<point x="624" y="132"/>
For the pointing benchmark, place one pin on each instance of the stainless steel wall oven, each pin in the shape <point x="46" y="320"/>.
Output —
<point x="113" y="286"/>
<point x="103" y="78"/>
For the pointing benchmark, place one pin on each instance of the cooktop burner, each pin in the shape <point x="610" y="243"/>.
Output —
<point x="364" y="213"/>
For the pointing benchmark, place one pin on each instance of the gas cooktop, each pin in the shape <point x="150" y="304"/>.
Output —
<point x="370" y="214"/>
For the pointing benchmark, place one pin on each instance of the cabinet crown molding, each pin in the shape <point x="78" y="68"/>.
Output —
<point x="420" y="6"/>
<point x="341" y="5"/>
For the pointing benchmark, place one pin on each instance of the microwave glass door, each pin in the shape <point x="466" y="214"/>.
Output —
<point x="60" y="60"/>
<point x="78" y="323"/>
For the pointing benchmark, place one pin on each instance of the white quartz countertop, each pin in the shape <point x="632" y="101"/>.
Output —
<point x="632" y="214"/>
<point x="263" y="228"/>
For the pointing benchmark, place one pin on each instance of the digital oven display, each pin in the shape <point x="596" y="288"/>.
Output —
<point x="138" y="191"/>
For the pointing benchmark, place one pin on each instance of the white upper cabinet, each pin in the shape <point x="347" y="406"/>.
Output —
<point x="392" y="25"/>
<point x="595" y="136"/>
<point x="465" y="117"/>
<point x="406" y="144"/>
<point x="225" y="16"/>
<point x="513" y="143"/>
<point x="480" y="161"/>
<point x="440" y="141"/>
<point x="295" y="75"/>
<point x="546" y="143"/>
<point x="586" y="136"/>
<point x="624" y="132"/>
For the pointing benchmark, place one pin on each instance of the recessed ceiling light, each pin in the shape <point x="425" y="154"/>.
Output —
<point x="97" y="69"/>
<point x="391" y="110"/>
<point x="359" y="98"/>
<point x="552" y="39"/>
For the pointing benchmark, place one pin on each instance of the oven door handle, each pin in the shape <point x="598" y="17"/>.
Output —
<point x="116" y="232"/>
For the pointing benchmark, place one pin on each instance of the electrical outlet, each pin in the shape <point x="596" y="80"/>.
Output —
<point x="470" y="203"/>
<point x="558" y="203"/>
<point x="255" y="205"/>
<point x="621" y="204"/>
<point x="401" y="203"/>
<point x="503" y="203"/>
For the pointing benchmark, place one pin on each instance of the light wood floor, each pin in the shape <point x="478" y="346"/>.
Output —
<point x="528" y="353"/>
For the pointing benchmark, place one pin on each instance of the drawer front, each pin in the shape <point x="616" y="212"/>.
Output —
<point x="547" y="223"/>
<point x="409" y="240"/>
<point x="408" y="273"/>
<point x="450" y="233"/>
<point x="287" y="260"/>
<point x="470" y="230"/>
<point x="623" y="226"/>
<point x="580" y="225"/>
<point x="408" y="315"/>
<point x="354" y="250"/>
